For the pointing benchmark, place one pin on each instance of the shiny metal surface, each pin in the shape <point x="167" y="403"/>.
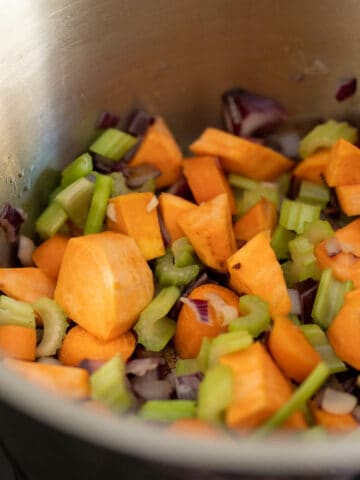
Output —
<point x="62" y="61"/>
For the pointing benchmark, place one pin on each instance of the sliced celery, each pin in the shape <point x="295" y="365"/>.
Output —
<point x="168" y="274"/>
<point x="329" y="298"/>
<point x="99" y="201"/>
<point x="108" y="385"/>
<point x="184" y="254"/>
<point x="228" y="343"/>
<point x="318" y="231"/>
<point x="154" y="329"/>
<point x="251" y="197"/>
<point x="119" y="185"/>
<point x="325" y="135"/>
<point x="113" y="144"/>
<point x="294" y="272"/>
<point x="296" y="402"/>
<point x="75" y="200"/>
<point x="79" y="168"/>
<point x="313" y="193"/>
<point x="302" y="251"/>
<point x="246" y="183"/>
<point x="280" y="242"/>
<point x="294" y="215"/>
<point x="256" y="316"/>
<point x="186" y="366"/>
<point x="203" y="356"/>
<point x="51" y="220"/>
<point x="167" y="410"/>
<point x="216" y="392"/>
<point x="14" y="312"/>
<point x="55" y="324"/>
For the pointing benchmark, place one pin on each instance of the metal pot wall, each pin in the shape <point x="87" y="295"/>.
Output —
<point x="64" y="61"/>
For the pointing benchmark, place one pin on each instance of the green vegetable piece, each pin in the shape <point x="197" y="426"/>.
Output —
<point x="251" y="197"/>
<point x="50" y="221"/>
<point x="319" y="341"/>
<point x="203" y="356"/>
<point x="245" y="183"/>
<point x="325" y="135"/>
<point x="113" y="144"/>
<point x="296" y="402"/>
<point x="187" y="366"/>
<point x="108" y="385"/>
<point x="75" y="200"/>
<point x="313" y="193"/>
<point x="228" y="343"/>
<point x="283" y="183"/>
<point x="294" y="215"/>
<point x="79" y="168"/>
<point x="184" y="254"/>
<point x="318" y="231"/>
<point x="154" y="329"/>
<point x="302" y="251"/>
<point x="280" y="242"/>
<point x="167" y="410"/>
<point x="216" y="392"/>
<point x="15" y="312"/>
<point x="294" y="272"/>
<point x="255" y="318"/>
<point x="329" y="298"/>
<point x="168" y="273"/>
<point x="119" y="185"/>
<point x="99" y="201"/>
<point x="295" y="319"/>
<point x="55" y="326"/>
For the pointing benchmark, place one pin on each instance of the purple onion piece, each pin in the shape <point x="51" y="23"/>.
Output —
<point x="332" y="247"/>
<point x="140" y="366"/>
<point x="247" y="114"/>
<point x="107" y="120"/>
<point x="348" y="381"/>
<point x="201" y="279"/>
<point x="332" y="209"/>
<point x="294" y="188"/>
<point x="307" y="292"/>
<point x="106" y="165"/>
<point x="91" y="365"/>
<point x="187" y="386"/>
<point x="140" y="352"/>
<point x="346" y="88"/>
<point x="138" y="123"/>
<point x="199" y="307"/>
<point x="149" y="387"/>
<point x="139" y="174"/>
<point x="286" y="142"/>
<point x="11" y="219"/>
<point x="163" y="230"/>
<point x="181" y="189"/>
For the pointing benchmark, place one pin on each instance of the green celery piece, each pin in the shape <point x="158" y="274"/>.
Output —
<point x="325" y="135"/>
<point x="119" y="186"/>
<point x="113" y="144"/>
<point x="55" y="326"/>
<point x="313" y="193"/>
<point x="216" y="392"/>
<point x="319" y="341"/>
<point x="255" y="318"/>
<point x="99" y="201"/>
<point x="55" y="192"/>
<point x="228" y="343"/>
<point x="154" y="329"/>
<point x="108" y="385"/>
<point x="79" y="168"/>
<point x="280" y="242"/>
<point x="50" y="221"/>
<point x="203" y="355"/>
<point x="251" y="197"/>
<point x="318" y="231"/>
<point x="283" y="183"/>
<point x="186" y="366"/>
<point x="297" y="273"/>
<point x="183" y="253"/>
<point x="302" y="251"/>
<point x="168" y="274"/>
<point x="167" y="410"/>
<point x="297" y="401"/>
<point x="245" y="183"/>
<point x="15" y="312"/>
<point x="75" y="200"/>
<point x="294" y="215"/>
<point x="329" y="298"/>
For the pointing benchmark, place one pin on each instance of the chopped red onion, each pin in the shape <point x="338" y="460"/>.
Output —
<point x="106" y="165"/>
<point x="338" y="403"/>
<point x="199" y="307"/>
<point x="332" y="247"/>
<point x="345" y="89"/>
<point x="285" y="142"/>
<point x="163" y="230"/>
<point x="140" y="366"/>
<point x="91" y="365"/>
<point x="25" y="250"/>
<point x="225" y="313"/>
<point x="138" y="123"/>
<point x="307" y="292"/>
<point x="11" y="219"/>
<point x="187" y="386"/>
<point x="295" y="301"/>
<point x="107" y="120"/>
<point x="201" y="279"/>
<point x="294" y="188"/>
<point x="181" y="189"/>
<point x="136" y="176"/>
<point x="149" y="387"/>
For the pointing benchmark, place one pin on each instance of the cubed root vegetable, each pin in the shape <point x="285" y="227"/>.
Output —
<point x="130" y="215"/>
<point x="81" y="345"/>
<point x="343" y="167"/>
<point x="254" y="269"/>
<point x="18" y="342"/>
<point x="104" y="283"/>
<point x="171" y="207"/>
<point x="241" y="156"/>
<point x="260" y="389"/>
<point x="190" y="331"/>
<point x="349" y="237"/>
<point x="290" y="349"/>
<point x="26" y="284"/>
<point x="349" y="199"/>
<point x="70" y="382"/>
<point x="344" y="331"/>
<point x="160" y="149"/>
<point x="334" y="423"/>
<point x="209" y="229"/>
<point x="313" y="167"/>
<point x="262" y="216"/>
<point x="48" y="256"/>
<point x="207" y="180"/>
<point x="196" y="428"/>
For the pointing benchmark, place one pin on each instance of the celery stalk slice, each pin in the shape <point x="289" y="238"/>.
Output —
<point x="113" y="144"/>
<point x="75" y="200"/>
<point x="167" y="410"/>
<point x="99" y="201"/>
<point x="228" y="343"/>
<point x="256" y="318"/>
<point x="15" y="312"/>
<point x="78" y="168"/>
<point x="51" y="220"/>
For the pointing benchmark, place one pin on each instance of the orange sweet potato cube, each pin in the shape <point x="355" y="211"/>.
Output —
<point x="171" y="207"/>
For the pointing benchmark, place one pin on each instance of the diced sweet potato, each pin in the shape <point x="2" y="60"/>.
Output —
<point x="26" y="284"/>
<point x="349" y="199"/>
<point x="313" y="167"/>
<point x="171" y="207"/>
<point x="48" y="256"/>
<point x="349" y="237"/>
<point x="241" y="156"/>
<point x="209" y="229"/>
<point x="343" y="167"/>
<point x="18" y="342"/>
<point x="104" y="283"/>
<point x="262" y="216"/>
<point x="130" y="214"/>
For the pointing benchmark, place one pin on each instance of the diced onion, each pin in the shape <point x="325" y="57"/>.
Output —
<point x="154" y="202"/>
<point x="225" y="312"/>
<point x="111" y="212"/>
<point x="295" y="301"/>
<point x="332" y="247"/>
<point x="25" y="251"/>
<point x="337" y="402"/>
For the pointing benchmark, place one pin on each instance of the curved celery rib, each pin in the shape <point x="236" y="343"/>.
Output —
<point x="113" y="144"/>
<point x="256" y="318"/>
<point x="228" y="343"/>
<point x="294" y="215"/>
<point x="168" y="274"/>
<point x="75" y="200"/>
<point x="78" y="168"/>
<point x="99" y="201"/>
<point x="14" y="312"/>
<point x="183" y="251"/>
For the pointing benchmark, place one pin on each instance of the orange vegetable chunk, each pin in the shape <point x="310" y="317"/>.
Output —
<point x="313" y="167"/>
<point x="18" y="342"/>
<point x="334" y="423"/>
<point x="291" y="350"/>
<point x="343" y="167"/>
<point x="241" y="156"/>
<point x="254" y="269"/>
<point x="349" y="237"/>
<point x="48" y="256"/>
<point x="79" y="345"/>
<point x="209" y="230"/>
<point x="26" y="284"/>
<point x="349" y="199"/>
<point x="104" y="283"/>
<point x="262" y="216"/>
<point x="159" y="148"/>
<point x="70" y="382"/>
<point x="190" y="331"/>
<point x="207" y="180"/>
<point x="260" y="389"/>
<point x="130" y="214"/>
<point x="171" y="207"/>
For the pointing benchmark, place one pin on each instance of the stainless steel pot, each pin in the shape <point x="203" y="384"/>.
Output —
<point x="64" y="61"/>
